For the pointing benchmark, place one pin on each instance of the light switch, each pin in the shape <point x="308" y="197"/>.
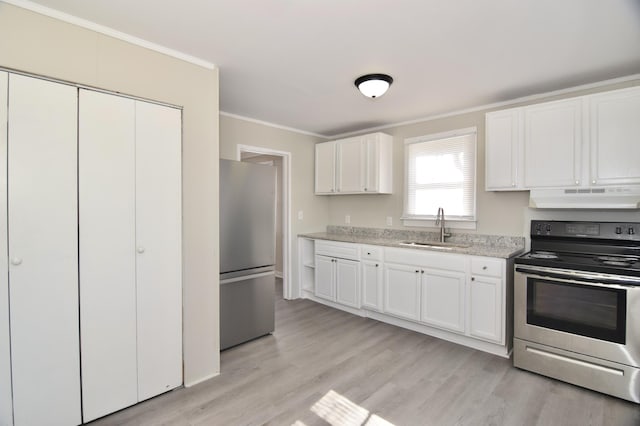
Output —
<point x="300" y="215"/>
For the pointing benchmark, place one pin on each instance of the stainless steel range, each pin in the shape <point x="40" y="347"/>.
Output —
<point x="577" y="305"/>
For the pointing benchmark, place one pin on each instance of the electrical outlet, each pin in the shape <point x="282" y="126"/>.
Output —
<point x="300" y="215"/>
<point x="347" y="219"/>
<point x="389" y="221"/>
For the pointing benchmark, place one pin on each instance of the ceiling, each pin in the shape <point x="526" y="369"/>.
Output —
<point x="293" y="62"/>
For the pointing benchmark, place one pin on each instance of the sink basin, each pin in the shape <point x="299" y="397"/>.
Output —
<point x="434" y="245"/>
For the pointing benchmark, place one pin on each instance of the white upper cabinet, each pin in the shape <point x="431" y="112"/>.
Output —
<point x="351" y="165"/>
<point x="614" y="137"/>
<point x="326" y="168"/>
<point x="553" y="144"/>
<point x="587" y="141"/>
<point x="502" y="154"/>
<point x="357" y="165"/>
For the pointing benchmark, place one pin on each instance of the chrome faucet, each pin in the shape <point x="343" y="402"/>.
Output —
<point x="440" y="221"/>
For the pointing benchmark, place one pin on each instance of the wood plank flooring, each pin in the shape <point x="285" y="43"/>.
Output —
<point x="324" y="366"/>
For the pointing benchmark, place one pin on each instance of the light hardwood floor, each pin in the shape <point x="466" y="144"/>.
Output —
<point x="353" y="371"/>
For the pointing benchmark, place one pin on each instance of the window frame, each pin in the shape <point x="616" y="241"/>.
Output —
<point x="429" y="220"/>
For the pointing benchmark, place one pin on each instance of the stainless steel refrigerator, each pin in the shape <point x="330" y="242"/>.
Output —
<point x="247" y="251"/>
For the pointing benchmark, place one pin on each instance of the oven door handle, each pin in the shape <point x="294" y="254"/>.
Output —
<point x="573" y="276"/>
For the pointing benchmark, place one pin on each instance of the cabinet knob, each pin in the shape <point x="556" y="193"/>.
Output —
<point x="417" y="271"/>
<point x="376" y="265"/>
<point x="473" y="278"/>
<point x="16" y="261"/>
<point x="422" y="272"/>
<point x="484" y="268"/>
<point x="368" y="254"/>
<point x="365" y="190"/>
<point x="140" y="249"/>
<point x="593" y="181"/>
<point x="513" y="184"/>
<point x="577" y="182"/>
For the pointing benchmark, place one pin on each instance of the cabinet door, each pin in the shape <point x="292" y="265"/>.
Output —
<point x="402" y="291"/>
<point x="351" y="165"/>
<point x="443" y="299"/>
<point x="6" y="415"/>
<point x="158" y="246"/>
<point x="486" y="308"/>
<point x="325" y="278"/>
<point x="325" y="167"/>
<point x="371" y="285"/>
<point x="107" y="247"/>
<point x="348" y="282"/>
<point x="43" y="251"/>
<point x="614" y="134"/>
<point x="503" y="137"/>
<point x="552" y="144"/>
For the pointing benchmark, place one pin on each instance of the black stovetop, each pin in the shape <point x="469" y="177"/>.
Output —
<point x="604" y="247"/>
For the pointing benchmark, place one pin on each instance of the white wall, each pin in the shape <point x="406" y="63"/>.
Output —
<point x="37" y="44"/>
<point x="500" y="213"/>
<point x="234" y="132"/>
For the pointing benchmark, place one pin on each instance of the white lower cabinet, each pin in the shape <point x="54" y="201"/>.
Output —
<point x="338" y="280"/>
<point x="325" y="278"/>
<point x="454" y="296"/>
<point x="443" y="299"/>
<point x="402" y="291"/>
<point x="486" y="299"/>
<point x="372" y="278"/>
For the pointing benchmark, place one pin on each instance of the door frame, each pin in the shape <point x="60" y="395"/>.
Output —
<point x="286" y="209"/>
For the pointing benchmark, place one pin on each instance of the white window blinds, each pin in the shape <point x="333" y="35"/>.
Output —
<point x="440" y="172"/>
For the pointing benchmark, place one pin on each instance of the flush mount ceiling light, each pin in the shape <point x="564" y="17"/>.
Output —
<point x="373" y="85"/>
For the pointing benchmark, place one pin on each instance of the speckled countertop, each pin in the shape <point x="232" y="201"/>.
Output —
<point x="474" y="244"/>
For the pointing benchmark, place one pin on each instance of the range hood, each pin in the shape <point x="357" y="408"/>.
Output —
<point x="625" y="197"/>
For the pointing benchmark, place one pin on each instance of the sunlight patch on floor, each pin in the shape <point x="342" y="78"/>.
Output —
<point x="338" y="410"/>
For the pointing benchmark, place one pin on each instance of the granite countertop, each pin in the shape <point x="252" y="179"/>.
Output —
<point x="473" y="244"/>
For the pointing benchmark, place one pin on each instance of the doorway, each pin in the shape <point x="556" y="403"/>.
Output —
<point x="280" y="160"/>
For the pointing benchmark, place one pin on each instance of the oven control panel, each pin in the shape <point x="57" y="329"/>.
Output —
<point x="626" y="231"/>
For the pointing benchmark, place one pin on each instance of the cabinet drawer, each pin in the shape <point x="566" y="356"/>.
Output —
<point x="487" y="266"/>
<point x="371" y="253"/>
<point x="337" y="249"/>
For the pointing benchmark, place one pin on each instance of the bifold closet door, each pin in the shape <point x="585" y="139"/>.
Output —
<point x="159" y="248"/>
<point x="43" y="251"/>
<point x="106" y="169"/>
<point x="6" y="411"/>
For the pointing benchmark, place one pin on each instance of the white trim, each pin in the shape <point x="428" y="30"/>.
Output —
<point x="287" y="282"/>
<point x="203" y="379"/>
<point x="495" y="105"/>
<point x="429" y="220"/>
<point x="275" y="126"/>
<point x="84" y="23"/>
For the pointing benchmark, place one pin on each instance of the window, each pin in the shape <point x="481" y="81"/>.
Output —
<point x="440" y="171"/>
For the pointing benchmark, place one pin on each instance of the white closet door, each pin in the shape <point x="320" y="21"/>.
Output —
<point x="159" y="248"/>
<point x="6" y="415"/>
<point x="107" y="253"/>
<point x="43" y="252"/>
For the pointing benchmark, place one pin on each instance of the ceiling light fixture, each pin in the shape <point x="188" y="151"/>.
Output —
<point x="373" y="85"/>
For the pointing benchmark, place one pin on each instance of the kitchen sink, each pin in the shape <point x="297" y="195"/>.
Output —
<point x="434" y="245"/>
